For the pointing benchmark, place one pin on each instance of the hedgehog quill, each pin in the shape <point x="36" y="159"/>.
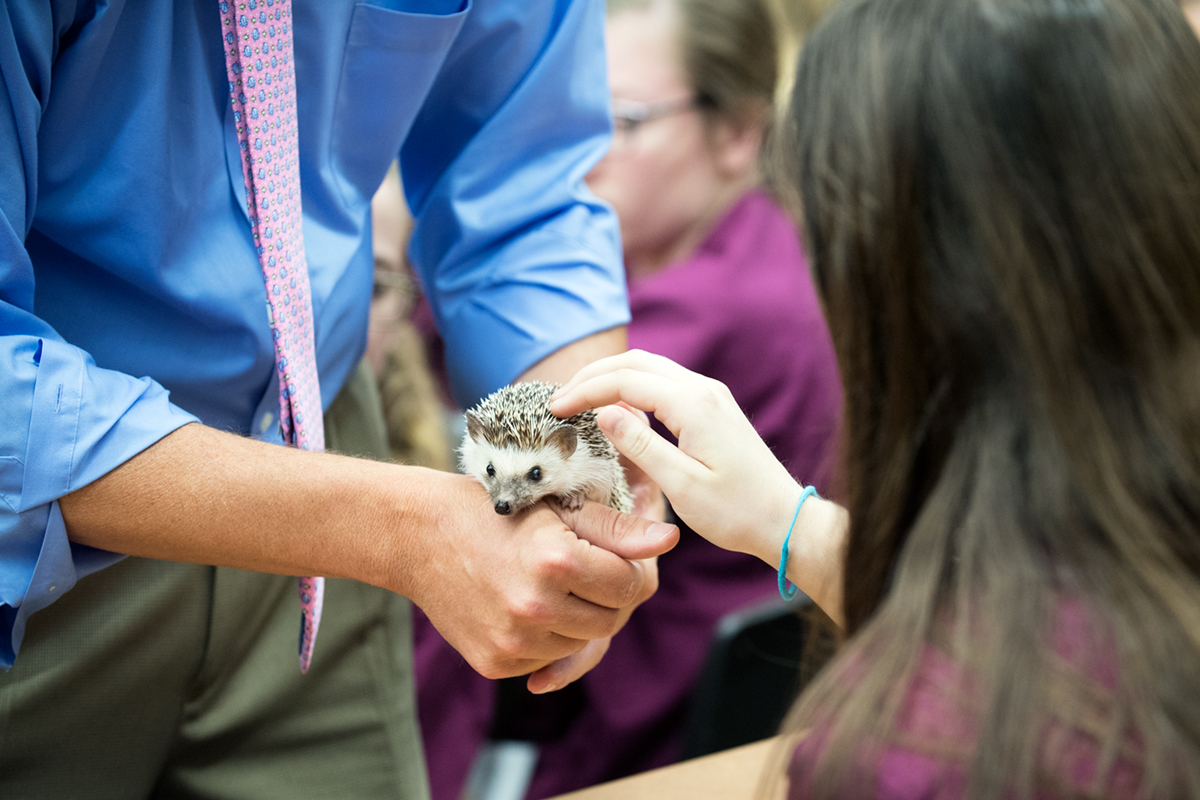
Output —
<point x="522" y="453"/>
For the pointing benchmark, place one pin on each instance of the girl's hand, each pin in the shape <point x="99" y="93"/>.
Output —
<point x="721" y="479"/>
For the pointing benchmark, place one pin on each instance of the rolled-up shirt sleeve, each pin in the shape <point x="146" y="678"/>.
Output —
<point x="517" y="256"/>
<point x="64" y="421"/>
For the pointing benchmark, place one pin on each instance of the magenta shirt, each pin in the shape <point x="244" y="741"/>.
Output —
<point x="933" y="718"/>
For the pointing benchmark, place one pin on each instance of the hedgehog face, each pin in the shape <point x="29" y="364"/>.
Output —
<point x="517" y="477"/>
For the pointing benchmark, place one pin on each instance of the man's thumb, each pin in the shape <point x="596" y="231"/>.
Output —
<point x="625" y="535"/>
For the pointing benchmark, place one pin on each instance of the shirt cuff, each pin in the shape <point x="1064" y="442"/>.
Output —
<point x="59" y="565"/>
<point x="84" y="421"/>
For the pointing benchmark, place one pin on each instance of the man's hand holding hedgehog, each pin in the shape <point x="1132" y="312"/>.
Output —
<point x="522" y="454"/>
<point x="538" y="587"/>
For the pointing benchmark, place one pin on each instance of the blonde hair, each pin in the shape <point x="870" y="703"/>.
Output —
<point x="733" y="51"/>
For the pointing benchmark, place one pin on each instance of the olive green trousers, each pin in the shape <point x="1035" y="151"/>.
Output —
<point x="153" y="679"/>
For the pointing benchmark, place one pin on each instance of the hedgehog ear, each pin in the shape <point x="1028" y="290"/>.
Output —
<point x="565" y="439"/>
<point x="474" y="427"/>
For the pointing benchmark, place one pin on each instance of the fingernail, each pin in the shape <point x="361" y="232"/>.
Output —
<point x="661" y="530"/>
<point x="611" y="418"/>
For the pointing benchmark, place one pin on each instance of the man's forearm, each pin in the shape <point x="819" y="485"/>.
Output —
<point x="200" y="495"/>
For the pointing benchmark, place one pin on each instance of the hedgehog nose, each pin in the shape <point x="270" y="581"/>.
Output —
<point x="503" y="508"/>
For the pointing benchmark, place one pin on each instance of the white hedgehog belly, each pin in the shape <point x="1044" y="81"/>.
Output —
<point x="593" y="476"/>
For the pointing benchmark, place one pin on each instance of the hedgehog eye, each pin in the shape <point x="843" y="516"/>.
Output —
<point x="491" y="471"/>
<point x="535" y="474"/>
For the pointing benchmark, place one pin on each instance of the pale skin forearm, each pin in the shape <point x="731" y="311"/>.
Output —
<point x="816" y="549"/>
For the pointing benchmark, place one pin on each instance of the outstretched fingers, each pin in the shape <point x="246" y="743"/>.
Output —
<point x="664" y="463"/>
<point x="633" y="364"/>
<point x="636" y="360"/>
<point x="663" y="396"/>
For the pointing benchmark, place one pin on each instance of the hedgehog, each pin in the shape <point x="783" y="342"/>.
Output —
<point x="521" y="453"/>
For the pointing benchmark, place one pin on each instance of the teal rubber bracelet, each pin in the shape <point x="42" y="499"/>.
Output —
<point x="786" y="590"/>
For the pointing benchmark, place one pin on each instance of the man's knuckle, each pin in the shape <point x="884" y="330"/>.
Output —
<point x="616" y="526"/>
<point x="610" y="623"/>
<point x="508" y="647"/>
<point x="557" y="564"/>
<point x="493" y="670"/>
<point x="525" y="609"/>
<point x="625" y="525"/>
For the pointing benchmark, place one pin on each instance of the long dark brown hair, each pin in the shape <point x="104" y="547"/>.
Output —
<point x="1001" y="200"/>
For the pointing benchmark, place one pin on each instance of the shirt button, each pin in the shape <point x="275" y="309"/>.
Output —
<point x="266" y="422"/>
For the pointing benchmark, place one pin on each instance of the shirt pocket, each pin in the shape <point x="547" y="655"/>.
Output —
<point x="391" y="60"/>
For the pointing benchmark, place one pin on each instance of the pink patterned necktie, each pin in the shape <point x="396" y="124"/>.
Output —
<point x="262" y="87"/>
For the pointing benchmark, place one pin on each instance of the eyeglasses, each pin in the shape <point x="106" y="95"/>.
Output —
<point x="397" y="288"/>
<point x="630" y="115"/>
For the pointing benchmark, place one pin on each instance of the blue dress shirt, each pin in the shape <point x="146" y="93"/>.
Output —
<point x="131" y="298"/>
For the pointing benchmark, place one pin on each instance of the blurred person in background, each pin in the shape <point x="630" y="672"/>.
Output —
<point x="718" y="282"/>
